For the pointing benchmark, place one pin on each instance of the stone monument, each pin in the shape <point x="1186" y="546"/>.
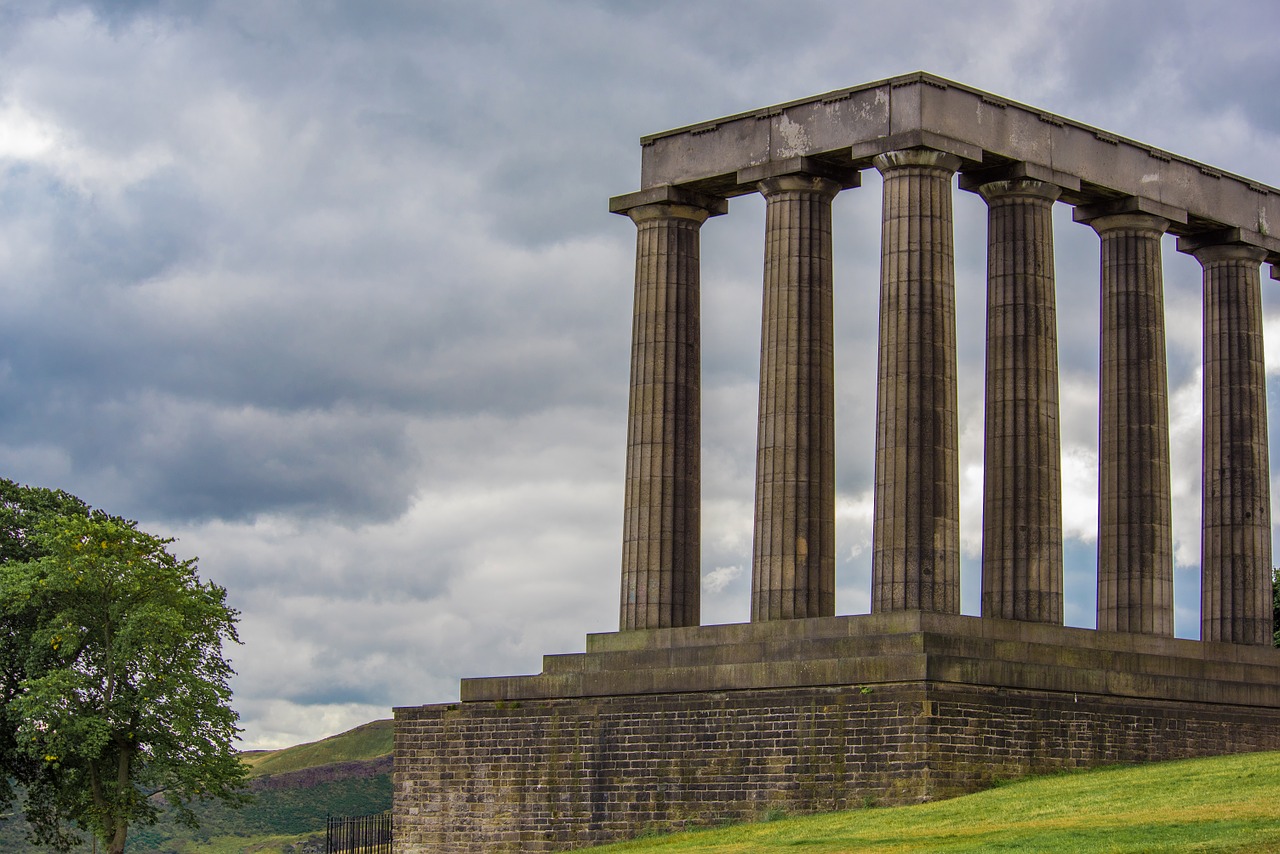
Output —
<point x="669" y="724"/>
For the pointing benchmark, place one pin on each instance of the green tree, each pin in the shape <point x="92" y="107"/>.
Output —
<point x="21" y="507"/>
<point x="117" y="698"/>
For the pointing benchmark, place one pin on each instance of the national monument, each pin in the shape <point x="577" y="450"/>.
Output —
<point x="667" y="723"/>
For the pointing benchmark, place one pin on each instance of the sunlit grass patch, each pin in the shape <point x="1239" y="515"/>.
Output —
<point x="1229" y="803"/>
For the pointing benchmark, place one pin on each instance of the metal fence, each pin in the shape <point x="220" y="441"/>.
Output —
<point x="361" y="834"/>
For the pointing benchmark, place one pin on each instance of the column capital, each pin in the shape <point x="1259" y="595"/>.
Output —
<point x="1018" y="188"/>
<point x="674" y="199"/>
<point x="799" y="183"/>
<point x="1129" y="212"/>
<point x="973" y="179"/>
<point x="1229" y="252"/>
<point x="801" y="168"/>
<point x="1223" y="238"/>
<point x="1135" y="221"/>
<point x="648" y="213"/>
<point x="863" y="153"/>
<point x="927" y="157"/>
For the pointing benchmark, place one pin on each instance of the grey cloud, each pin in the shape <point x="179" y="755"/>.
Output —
<point x="331" y="290"/>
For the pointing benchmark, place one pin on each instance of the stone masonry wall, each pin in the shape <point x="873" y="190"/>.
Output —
<point x="548" y="775"/>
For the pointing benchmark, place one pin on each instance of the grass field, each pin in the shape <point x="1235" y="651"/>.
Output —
<point x="1229" y="803"/>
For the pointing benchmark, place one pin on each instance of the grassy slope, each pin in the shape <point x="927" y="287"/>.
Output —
<point x="274" y="811"/>
<point x="1229" y="803"/>
<point x="277" y="812"/>
<point x="364" y="742"/>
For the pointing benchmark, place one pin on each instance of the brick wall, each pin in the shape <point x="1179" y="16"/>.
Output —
<point x="547" y="775"/>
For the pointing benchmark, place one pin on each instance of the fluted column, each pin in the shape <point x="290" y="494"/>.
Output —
<point x="793" y="561"/>
<point x="661" y="529"/>
<point x="1235" y="544"/>
<point x="1135" y="532"/>
<point x="1022" y="481"/>
<point x="916" y="530"/>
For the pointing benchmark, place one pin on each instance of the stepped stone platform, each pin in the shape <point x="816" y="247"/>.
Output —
<point x="897" y="647"/>
<point x="682" y="727"/>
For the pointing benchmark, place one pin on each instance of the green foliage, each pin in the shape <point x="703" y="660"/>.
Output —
<point x="1227" y="803"/>
<point x="21" y="507"/>
<point x="274" y="812"/>
<point x="117" y="688"/>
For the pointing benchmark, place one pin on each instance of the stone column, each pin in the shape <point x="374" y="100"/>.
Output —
<point x="1235" y="544"/>
<point x="916" y="529"/>
<point x="1022" y="482"/>
<point x="1135" y="533"/>
<point x="793" y="560"/>
<point x="661" y="547"/>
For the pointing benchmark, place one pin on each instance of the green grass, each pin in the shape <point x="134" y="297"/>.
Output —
<point x="1229" y="803"/>
<point x="257" y="845"/>
<point x="364" y="742"/>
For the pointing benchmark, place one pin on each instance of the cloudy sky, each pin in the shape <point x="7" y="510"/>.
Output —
<point x="329" y="292"/>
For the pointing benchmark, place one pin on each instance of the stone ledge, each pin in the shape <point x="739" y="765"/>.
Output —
<point x="908" y="646"/>
<point x="845" y="127"/>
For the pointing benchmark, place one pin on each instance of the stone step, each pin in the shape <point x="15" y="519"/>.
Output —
<point x="865" y="651"/>
<point x="834" y="647"/>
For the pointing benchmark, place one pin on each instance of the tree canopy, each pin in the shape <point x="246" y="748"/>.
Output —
<point x="115" y="687"/>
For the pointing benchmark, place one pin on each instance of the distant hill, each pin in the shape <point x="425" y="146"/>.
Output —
<point x="294" y="790"/>
<point x="366" y="742"/>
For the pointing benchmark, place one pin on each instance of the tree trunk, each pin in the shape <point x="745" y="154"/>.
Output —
<point x="122" y="785"/>
<point x="116" y="844"/>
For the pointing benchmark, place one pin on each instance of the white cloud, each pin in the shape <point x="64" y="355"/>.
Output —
<point x="718" y="579"/>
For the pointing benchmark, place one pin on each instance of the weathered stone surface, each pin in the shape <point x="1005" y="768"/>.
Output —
<point x="1235" y="544"/>
<point x="979" y="127"/>
<point x="1022" y="483"/>
<point x="916" y="528"/>
<point x="963" y="701"/>
<point x="793" y="562"/>
<point x="898" y="646"/>
<point x="1135" y="527"/>
<point x="661" y="578"/>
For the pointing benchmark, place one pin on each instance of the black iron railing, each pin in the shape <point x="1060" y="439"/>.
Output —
<point x="360" y="834"/>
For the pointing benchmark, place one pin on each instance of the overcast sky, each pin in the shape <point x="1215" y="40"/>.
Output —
<point x="329" y="292"/>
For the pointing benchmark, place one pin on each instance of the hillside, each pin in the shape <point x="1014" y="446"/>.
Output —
<point x="365" y="742"/>
<point x="294" y="790"/>
<point x="1228" y="803"/>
